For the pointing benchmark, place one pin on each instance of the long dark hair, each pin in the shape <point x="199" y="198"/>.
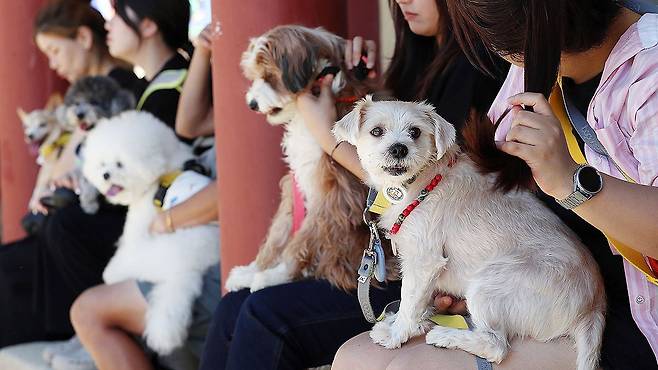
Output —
<point x="536" y="31"/>
<point x="171" y="16"/>
<point x="65" y="17"/>
<point x="418" y="60"/>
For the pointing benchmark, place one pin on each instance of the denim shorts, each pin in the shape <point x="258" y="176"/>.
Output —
<point x="202" y="310"/>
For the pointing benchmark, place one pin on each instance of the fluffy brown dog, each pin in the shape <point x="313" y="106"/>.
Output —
<point x="329" y="243"/>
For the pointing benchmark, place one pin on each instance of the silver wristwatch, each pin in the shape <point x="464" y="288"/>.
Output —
<point x="587" y="182"/>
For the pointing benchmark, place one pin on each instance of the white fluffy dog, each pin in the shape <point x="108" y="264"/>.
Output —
<point x="125" y="158"/>
<point x="522" y="272"/>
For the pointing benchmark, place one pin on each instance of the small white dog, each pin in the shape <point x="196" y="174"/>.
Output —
<point x="46" y="135"/>
<point x="522" y="272"/>
<point x="125" y="158"/>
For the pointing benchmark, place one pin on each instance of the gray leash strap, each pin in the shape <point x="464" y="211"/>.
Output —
<point x="481" y="362"/>
<point x="369" y="261"/>
<point x="585" y="131"/>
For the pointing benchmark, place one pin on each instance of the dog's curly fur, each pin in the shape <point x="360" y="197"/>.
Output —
<point x="42" y="128"/>
<point x="125" y="157"/>
<point x="521" y="270"/>
<point x="93" y="98"/>
<point x="87" y="101"/>
<point x="282" y="63"/>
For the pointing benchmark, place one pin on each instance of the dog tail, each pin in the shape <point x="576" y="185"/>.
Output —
<point x="588" y="335"/>
<point x="512" y="172"/>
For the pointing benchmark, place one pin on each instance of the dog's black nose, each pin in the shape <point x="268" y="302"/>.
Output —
<point x="106" y="175"/>
<point x="80" y="115"/>
<point x="398" y="151"/>
<point x="30" y="136"/>
<point x="253" y="104"/>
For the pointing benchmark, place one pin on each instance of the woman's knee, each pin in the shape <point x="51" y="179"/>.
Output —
<point x="360" y="353"/>
<point x="87" y="309"/>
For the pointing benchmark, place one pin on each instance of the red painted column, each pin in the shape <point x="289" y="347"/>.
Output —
<point x="26" y="82"/>
<point x="363" y="19"/>
<point x="248" y="149"/>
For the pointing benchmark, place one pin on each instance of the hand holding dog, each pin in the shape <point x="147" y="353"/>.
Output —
<point x="70" y="180"/>
<point x="35" y="204"/>
<point x="537" y="138"/>
<point x="319" y="113"/>
<point x="354" y="50"/>
<point x="159" y="224"/>
<point x="445" y="304"/>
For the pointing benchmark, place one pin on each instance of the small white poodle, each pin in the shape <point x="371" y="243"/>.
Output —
<point x="521" y="270"/>
<point x="125" y="158"/>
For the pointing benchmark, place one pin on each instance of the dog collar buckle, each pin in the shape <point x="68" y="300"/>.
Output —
<point x="395" y="194"/>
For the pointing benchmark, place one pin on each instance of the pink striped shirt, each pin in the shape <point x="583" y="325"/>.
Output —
<point x="624" y="115"/>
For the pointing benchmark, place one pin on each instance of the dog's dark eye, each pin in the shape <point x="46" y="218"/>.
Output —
<point x="414" y="132"/>
<point x="43" y="124"/>
<point x="377" y="132"/>
<point x="119" y="164"/>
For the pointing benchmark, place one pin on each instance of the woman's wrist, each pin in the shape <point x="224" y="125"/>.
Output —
<point x="563" y="182"/>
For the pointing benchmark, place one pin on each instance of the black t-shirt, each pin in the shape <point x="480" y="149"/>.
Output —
<point x="164" y="103"/>
<point x="624" y="346"/>
<point x="461" y="87"/>
<point x="128" y="80"/>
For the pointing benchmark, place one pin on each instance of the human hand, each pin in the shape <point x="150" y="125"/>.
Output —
<point x="70" y="180"/>
<point x="203" y="42"/>
<point x="35" y="205"/>
<point x="319" y="112"/>
<point x="159" y="225"/>
<point x="445" y="304"/>
<point x="537" y="138"/>
<point x="354" y="51"/>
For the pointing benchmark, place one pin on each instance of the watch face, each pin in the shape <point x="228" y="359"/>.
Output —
<point x="590" y="180"/>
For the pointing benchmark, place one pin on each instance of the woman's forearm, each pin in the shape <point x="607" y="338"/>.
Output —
<point x="345" y="154"/>
<point x="195" y="101"/>
<point x="199" y="209"/>
<point x="625" y="212"/>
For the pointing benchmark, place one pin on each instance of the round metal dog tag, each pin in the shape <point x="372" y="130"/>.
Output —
<point x="395" y="194"/>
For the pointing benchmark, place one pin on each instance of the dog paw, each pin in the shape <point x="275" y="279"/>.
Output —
<point x="90" y="208"/>
<point x="111" y="274"/>
<point x="384" y="334"/>
<point x="240" y="277"/>
<point x="260" y="281"/>
<point x="441" y="336"/>
<point x="478" y="344"/>
<point x="162" y="339"/>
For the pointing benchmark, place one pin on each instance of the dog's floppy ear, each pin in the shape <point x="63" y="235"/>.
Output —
<point x="296" y="63"/>
<point x="444" y="131"/>
<point x="21" y="114"/>
<point x="122" y="101"/>
<point x="347" y="128"/>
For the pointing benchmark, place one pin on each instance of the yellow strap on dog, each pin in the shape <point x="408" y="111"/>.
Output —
<point x="379" y="205"/>
<point x="165" y="182"/>
<point x="166" y="80"/>
<point x="634" y="257"/>
<point x="451" y="321"/>
<point x="62" y="140"/>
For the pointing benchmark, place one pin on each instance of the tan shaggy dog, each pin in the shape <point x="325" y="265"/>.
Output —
<point x="282" y="63"/>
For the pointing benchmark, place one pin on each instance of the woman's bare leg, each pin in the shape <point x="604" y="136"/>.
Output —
<point x="105" y="317"/>
<point x="360" y="353"/>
